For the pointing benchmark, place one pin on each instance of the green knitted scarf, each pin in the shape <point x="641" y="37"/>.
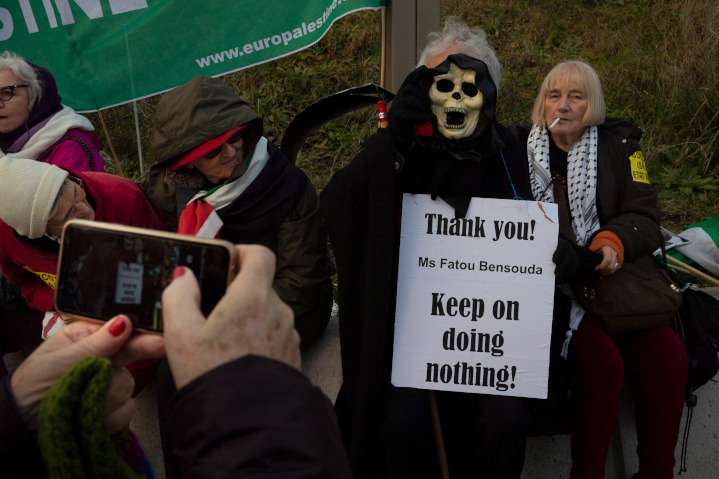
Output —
<point x="72" y="433"/>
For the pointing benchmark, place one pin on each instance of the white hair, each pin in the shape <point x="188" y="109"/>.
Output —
<point x="471" y="41"/>
<point x="24" y="72"/>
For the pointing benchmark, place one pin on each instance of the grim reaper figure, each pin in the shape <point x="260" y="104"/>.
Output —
<point x="443" y="140"/>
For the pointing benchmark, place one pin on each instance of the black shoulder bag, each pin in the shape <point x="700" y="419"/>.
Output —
<point x="640" y="295"/>
<point x="697" y="325"/>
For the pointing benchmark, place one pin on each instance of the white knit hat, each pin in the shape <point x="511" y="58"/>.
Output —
<point x="28" y="190"/>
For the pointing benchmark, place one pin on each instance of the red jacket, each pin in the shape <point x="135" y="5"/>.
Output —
<point x="32" y="264"/>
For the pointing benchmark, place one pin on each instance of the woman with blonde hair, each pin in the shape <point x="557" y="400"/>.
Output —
<point x="592" y="167"/>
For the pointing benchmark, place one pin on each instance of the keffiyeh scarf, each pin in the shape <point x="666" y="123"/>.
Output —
<point x="581" y="189"/>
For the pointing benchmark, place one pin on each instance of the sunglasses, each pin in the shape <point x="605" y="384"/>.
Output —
<point x="231" y="140"/>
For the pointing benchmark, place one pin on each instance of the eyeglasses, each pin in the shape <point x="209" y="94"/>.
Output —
<point x="7" y="92"/>
<point x="75" y="180"/>
<point x="231" y="140"/>
<point x="57" y="220"/>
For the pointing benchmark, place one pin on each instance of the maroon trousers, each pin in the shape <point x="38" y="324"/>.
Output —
<point x="656" y="362"/>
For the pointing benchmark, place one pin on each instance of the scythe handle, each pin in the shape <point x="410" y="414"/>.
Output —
<point x="438" y="439"/>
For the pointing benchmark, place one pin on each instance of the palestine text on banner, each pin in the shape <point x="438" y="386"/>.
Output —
<point x="475" y="296"/>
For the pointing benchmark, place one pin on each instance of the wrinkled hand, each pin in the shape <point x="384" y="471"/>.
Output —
<point x="57" y="355"/>
<point x="610" y="261"/>
<point x="249" y="319"/>
<point x="411" y="105"/>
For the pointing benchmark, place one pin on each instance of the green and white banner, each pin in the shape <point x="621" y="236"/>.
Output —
<point x="702" y="245"/>
<point x="107" y="52"/>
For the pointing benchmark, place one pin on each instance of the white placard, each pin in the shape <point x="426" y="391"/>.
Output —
<point x="475" y="296"/>
<point x="129" y="283"/>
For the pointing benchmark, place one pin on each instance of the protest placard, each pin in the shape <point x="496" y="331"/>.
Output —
<point x="129" y="283"/>
<point x="475" y="296"/>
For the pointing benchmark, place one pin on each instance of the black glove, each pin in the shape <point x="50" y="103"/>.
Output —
<point x="411" y="106"/>
<point x="588" y="259"/>
<point x="566" y="260"/>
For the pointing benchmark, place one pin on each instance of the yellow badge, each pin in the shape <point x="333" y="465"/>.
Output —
<point x="47" y="277"/>
<point x="639" y="168"/>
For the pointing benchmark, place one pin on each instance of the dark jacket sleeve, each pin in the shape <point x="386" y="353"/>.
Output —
<point x="256" y="417"/>
<point x="19" y="453"/>
<point x="162" y="196"/>
<point x="627" y="207"/>
<point x="302" y="266"/>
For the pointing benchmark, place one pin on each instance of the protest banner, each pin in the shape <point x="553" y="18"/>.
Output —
<point x="107" y="52"/>
<point x="701" y="245"/>
<point x="475" y="296"/>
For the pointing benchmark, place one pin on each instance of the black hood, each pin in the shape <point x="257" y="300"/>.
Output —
<point x="431" y="160"/>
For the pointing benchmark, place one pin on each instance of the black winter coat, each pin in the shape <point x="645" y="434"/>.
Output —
<point x="626" y="207"/>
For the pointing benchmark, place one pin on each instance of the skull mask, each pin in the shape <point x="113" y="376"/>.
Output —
<point x="456" y="102"/>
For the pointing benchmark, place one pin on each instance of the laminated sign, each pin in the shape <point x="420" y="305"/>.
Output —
<point x="475" y="296"/>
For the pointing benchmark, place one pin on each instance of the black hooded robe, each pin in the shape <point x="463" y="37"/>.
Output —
<point x="386" y="429"/>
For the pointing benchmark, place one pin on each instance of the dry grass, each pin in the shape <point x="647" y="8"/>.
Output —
<point x="658" y="61"/>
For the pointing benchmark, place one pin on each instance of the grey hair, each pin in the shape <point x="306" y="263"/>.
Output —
<point x="24" y="72"/>
<point x="471" y="41"/>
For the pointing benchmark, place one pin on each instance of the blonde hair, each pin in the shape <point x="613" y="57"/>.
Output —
<point x="579" y="75"/>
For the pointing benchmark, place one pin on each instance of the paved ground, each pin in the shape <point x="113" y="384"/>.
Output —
<point x="547" y="457"/>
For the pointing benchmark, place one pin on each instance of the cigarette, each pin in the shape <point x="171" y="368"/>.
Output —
<point x="554" y="123"/>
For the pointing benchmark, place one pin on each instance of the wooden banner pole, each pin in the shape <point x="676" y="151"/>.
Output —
<point x="109" y="142"/>
<point x="693" y="271"/>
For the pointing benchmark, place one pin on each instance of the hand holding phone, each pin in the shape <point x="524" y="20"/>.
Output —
<point x="59" y="353"/>
<point x="109" y="269"/>
<point x="249" y="319"/>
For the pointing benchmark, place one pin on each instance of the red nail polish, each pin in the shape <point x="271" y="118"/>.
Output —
<point x="179" y="271"/>
<point x="117" y="327"/>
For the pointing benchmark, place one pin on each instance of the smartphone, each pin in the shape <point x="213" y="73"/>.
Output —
<point x="108" y="269"/>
